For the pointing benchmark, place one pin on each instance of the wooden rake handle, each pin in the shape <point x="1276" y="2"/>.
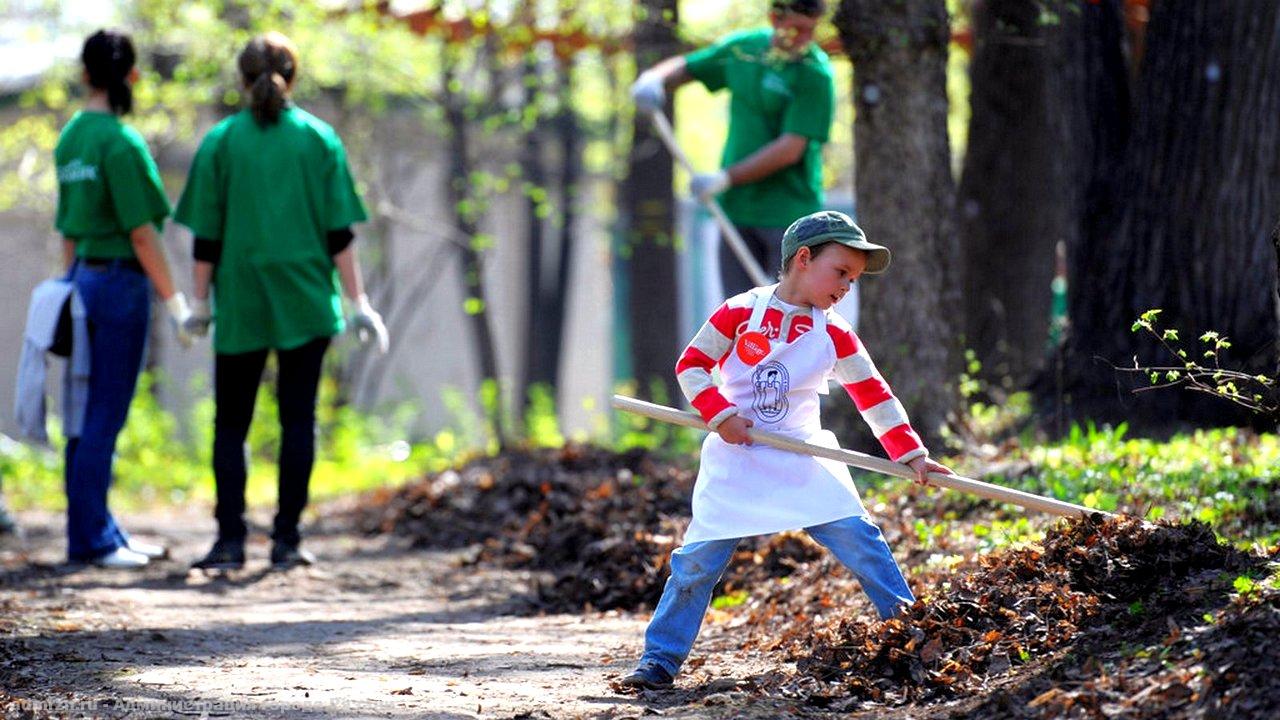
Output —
<point x="731" y="236"/>
<point x="989" y="491"/>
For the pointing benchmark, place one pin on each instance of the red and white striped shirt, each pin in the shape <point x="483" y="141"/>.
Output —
<point x="853" y="369"/>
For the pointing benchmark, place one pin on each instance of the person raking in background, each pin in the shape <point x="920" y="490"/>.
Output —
<point x="776" y="347"/>
<point x="270" y="201"/>
<point x="781" y="105"/>
<point x="110" y="205"/>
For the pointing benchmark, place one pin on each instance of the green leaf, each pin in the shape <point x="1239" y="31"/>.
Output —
<point x="1244" y="585"/>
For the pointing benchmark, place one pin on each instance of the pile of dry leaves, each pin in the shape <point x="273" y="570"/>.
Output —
<point x="602" y="524"/>
<point x="1016" y="607"/>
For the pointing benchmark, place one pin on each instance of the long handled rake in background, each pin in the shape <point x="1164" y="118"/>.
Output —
<point x="731" y="236"/>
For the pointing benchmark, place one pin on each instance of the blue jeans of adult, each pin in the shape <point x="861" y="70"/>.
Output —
<point x="696" y="568"/>
<point x="117" y="299"/>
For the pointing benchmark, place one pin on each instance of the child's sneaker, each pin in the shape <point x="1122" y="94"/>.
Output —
<point x="647" y="676"/>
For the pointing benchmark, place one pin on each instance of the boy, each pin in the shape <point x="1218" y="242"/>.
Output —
<point x="776" y="347"/>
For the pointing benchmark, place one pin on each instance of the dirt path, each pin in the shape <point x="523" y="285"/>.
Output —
<point x="376" y="630"/>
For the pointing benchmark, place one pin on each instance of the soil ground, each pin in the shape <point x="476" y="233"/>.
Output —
<point x="377" y="629"/>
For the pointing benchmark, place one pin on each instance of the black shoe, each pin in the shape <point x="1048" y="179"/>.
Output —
<point x="647" y="676"/>
<point x="287" y="554"/>
<point x="225" y="555"/>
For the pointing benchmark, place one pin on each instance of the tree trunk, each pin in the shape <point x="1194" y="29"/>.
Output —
<point x="1200" y="185"/>
<point x="1090" y="80"/>
<point x="1012" y="200"/>
<point x="476" y="305"/>
<point x="533" y="161"/>
<point x="550" y="254"/>
<point x="648" y="224"/>
<point x="905" y="196"/>
<point x="569" y="130"/>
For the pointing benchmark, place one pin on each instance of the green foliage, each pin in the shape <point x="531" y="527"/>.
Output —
<point x="542" y="424"/>
<point x="1200" y="370"/>
<point x="1224" y="477"/>
<point x="1245" y="585"/>
<point x="157" y="465"/>
<point x="635" y="431"/>
<point x="731" y="600"/>
<point x="983" y="421"/>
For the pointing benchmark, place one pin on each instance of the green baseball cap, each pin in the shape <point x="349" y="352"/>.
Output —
<point x="831" y="226"/>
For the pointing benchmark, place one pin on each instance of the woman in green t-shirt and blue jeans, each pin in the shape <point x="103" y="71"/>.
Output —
<point x="110" y="204"/>
<point x="271" y="203"/>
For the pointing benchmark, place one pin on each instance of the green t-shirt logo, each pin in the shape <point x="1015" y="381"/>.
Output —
<point x="77" y="171"/>
<point x="773" y="82"/>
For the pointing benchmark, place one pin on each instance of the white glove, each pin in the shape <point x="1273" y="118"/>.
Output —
<point x="368" y="325"/>
<point x="179" y="313"/>
<point x="648" y="92"/>
<point x="706" y="186"/>
<point x="197" y="325"/>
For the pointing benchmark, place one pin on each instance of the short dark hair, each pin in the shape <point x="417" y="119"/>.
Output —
<point x="812" y="8"/>
<point x="814" y="251"/>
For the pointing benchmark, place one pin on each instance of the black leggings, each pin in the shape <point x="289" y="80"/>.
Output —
<point x="235" y="389"/>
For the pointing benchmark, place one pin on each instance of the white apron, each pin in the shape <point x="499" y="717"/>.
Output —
<point x="756" y="490"/>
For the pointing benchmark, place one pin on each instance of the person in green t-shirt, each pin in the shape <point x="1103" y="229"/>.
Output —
<point x="782" y="101"/>
<point x="110" y="204"/>
<point x="270" y="201"/>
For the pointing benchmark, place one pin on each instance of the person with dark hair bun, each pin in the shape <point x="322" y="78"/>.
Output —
<point x="110" y="205"/>
<point x="270" y="201"/>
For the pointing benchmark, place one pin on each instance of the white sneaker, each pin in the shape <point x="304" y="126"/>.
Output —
<point x="152" y="551"/>
<point x="122" y="558"/>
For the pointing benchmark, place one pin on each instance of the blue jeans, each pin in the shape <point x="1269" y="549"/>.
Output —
<point x="117" y="301"/>
<point x="696" y="568"/>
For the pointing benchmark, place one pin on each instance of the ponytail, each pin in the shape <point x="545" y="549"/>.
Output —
<point x="108" y="58"/>
<point x="267" y="66"/>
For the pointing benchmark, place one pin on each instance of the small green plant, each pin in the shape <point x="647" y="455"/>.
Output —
<point x="729" y="601"/>
<point x="1245" y="586"/>
<point x="988" y="413"/>
<point x="1200" y="369"/>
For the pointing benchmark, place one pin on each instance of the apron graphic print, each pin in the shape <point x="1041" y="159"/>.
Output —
<point x="771" y="383"/>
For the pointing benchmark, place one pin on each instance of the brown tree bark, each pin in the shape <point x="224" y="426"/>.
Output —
<point x="550" y="241"/>
<point x="457" y="190"/>
<point x="1012" y="201"/>
<point x="905" y="197"/>
<point x="648" y="223"/>
<point x="1198" y="192"/>
<point x="1090" y="77"/>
